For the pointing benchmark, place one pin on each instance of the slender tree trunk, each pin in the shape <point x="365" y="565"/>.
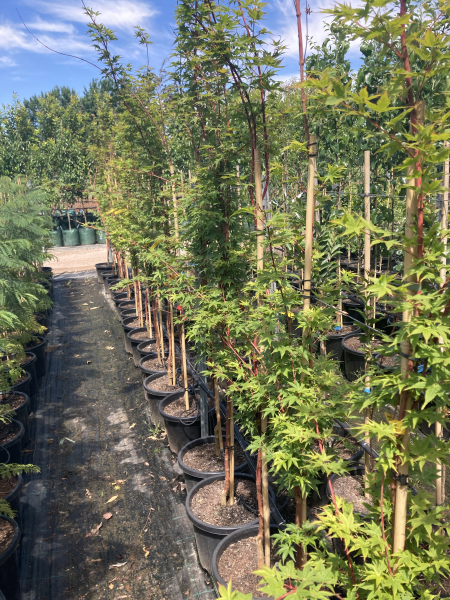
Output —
<point x="301" y="62"/>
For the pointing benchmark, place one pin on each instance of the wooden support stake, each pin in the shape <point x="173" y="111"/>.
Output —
<point x="260" y="266"/>
<point x="440" y="468"/>
<point x="367" y="456"/>
<point x="218" y="427"/>
<point x="309" y="222"/>
<point x="184" y="365"/>
<point x="401" y="486"/>
<point x="172" y="343"/>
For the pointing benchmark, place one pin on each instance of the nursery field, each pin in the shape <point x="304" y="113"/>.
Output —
<point x="93" y="441"/>
<point x="225" y="314"/>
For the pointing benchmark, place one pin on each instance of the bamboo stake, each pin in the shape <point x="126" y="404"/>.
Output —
<point x="175" y="202"/>
<point x="158" y="341"/>
<point x="184" y="365"/>
<point x="161" y="330"/>
<point x="260" y="266"/>
<point x="231" y="501"/>
<point x="367" y="457"/>
<point x="148" y="311"/>
<point x="401" y="487"/>
<point x="172" y="343"/>
<point x="218" y="427"/>
<point x="440" y="468"/>
<point x="340" y="316"/>
<point x="309" y="222"/>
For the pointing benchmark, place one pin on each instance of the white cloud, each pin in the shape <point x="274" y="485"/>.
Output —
<point x="12" y="38"/>
<point x="121" y="14"/>
<point x="315" y="29"/>
<point x="6" y="61"/>
<point x="57" y="27"/>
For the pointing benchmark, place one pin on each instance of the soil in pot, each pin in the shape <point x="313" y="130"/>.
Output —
<point x="389" y="361"/>
<point x="8" y="485"/>
<point x="139" y="335"/>
<point x="357" y="343"/>
<point x="14" y="400"/>
<point x="177" y="408"/>
<point x="344" y="330"/>
<point x="6" y="534"/>
<point x="161" y="384"/>
<point x="134" y="325"/>
<point x="206" y="504"/>
<point x="150" y="348"/>
<point x="238" y="563"/>
<point x="8" y="431"/>
<point x="351" y="489"/>
<point x="203" y="458"/>
<point x="153" y="364"/>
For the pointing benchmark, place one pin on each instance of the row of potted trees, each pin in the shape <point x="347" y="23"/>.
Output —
<point x="25" y="299"/>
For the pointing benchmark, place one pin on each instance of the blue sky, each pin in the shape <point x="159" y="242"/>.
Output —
<point x="28" y="68"/>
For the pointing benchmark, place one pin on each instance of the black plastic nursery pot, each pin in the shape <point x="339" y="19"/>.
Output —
<point x="38" y="349"/>
<point x="102" y="268"/>
<point x="14" y="445"/>
<point x="180" y="430"/>
<point x="126" y="329"/>
<point x="154" y="398"/>
<point x="9" y="565"/>
<point x="23" y="386"/>
<point x="146" y="372"/>
<point x="208" y="536"/>
<point x="105" y="274"/>
<point x="109" y="282"/>
<point x="128" y="313"/>
<point x="355" y="310"/>
<point x="232" y="538"/>
<point x="126" y="305"/>
<point x="134" y="343"/>
<point x="4" y="456"/>
<point x="193" y="476"/>
<point x="333" y="345"/>
<point x="22" y="411"/>
<point x="13" y="498"/>
<point x="354" y="360"/>
<point x="29" y="365"/>
<point x="41" y="319"/>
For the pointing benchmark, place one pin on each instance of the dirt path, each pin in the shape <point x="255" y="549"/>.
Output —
<point x="77" y="258"/>
<point x="93" y="443"/>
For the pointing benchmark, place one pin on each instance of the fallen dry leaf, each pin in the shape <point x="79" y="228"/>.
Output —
<point x="85" y="304"/>
<point x="107" y="516"/>
<point x="118" y="565"/>
<point x="88" y="362"/>
<point x="50" y="441"/>
<point x="88" y="493"/>
<point x="146" y="552"/>
<point x="134" y="425"/>
<point x="111" y="499"/>
<point x="94" y="307"/>
<point x="77" y="355"/>
<point x="127" y="587"/>
<point x="111" y="586"/>
<point x="95" y="530"/>
<point x="110" y="347"/>
<point x="94" y="560"/>
<point x="164" y="478"/>
<point x="106" y="331"/>
<point x="146" y="464"/>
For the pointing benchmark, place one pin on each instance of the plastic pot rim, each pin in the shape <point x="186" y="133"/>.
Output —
<point x="342" y="335"/>
<point x="24" y="403"/>
<point x="150" y="356"/>
<point x="194" y="472"/>
<point x="155" y="392"/>
<point x="168" y="398"/>
<point x="14" y="542"/>
<point x="137" y="330"/>
<point x="208" y="527"/>
<point x="17" y="437"/>
<point x="239" y="534"/>
<point x="40" y="337"/>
